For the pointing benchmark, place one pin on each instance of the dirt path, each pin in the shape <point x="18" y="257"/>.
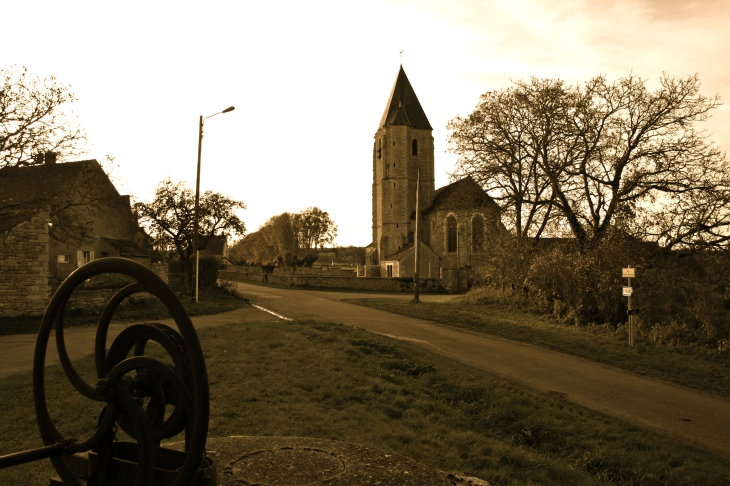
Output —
<point x="689" y="415"/>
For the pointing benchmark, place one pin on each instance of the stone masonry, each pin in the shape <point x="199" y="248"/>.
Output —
<point x="24" y="286"/>
<point x="455" y="221"/>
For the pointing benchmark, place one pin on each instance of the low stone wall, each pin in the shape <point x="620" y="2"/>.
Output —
<point x="353" y="283"/>
<point x="24" y="288"/>
<point x="324" y="270"/>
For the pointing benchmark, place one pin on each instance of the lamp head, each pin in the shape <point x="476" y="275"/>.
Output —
<point x="230" y="108"/>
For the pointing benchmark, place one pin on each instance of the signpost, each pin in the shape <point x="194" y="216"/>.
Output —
<point x="629" y="273"/>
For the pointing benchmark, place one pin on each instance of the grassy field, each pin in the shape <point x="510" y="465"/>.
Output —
<point x="336" y="382"/>
<point x="693" y="367"/>
<point x="211" y="301"/>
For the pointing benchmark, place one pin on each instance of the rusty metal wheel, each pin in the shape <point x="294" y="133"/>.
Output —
<point x="136" y="390"/>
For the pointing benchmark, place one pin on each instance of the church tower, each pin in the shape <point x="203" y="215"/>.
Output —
<point x="403" y="144"/>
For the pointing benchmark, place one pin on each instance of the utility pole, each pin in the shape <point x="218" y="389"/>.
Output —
<point x="197" y="198"/>
<point x="458" y="261"/>
<point x="197" y="206"/>
<point x="417" y="239"/>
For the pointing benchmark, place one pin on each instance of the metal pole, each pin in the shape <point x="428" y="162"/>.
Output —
<point x="417" y="241"/>
<point x="197" y="206"/>
<point x="458" y="273"/>
<point x="32" y="455"/>
<point x="197" y="198"/>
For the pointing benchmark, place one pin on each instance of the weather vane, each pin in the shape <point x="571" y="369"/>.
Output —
<point x="401" y="58"/>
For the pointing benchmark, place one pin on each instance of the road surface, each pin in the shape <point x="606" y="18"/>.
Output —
<point x="692" y="416"/>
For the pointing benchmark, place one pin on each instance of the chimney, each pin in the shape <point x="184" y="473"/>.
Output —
<point x="50" y="158"/>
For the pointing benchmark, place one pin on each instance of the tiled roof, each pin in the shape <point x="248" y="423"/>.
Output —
<point x="462" y="194"/>
<point x="26" y="190"/>
<point x="400" y="253"/>
<point x="127" y="248"/>
<point x="403" y="107"/>
<point x="34" y="186"/>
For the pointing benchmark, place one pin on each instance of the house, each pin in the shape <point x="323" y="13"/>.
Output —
<point x="53" y="219"/>
<point x="455" y="221"/>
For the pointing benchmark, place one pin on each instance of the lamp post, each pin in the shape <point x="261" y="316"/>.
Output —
<point x="197" y="197"/>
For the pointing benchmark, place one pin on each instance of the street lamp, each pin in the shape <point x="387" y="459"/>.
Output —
<point x="197" y="197"/>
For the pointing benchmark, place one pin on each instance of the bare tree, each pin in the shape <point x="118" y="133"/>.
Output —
<point x="316" y="229"/>
<point x="281" y="234"/>
<point x="640" y="148"/>
<point x="33" y="120"/>
<point x="170" y="216"/>
<point x="252" y="249"/>
<point x="501" y="144"/>
<point x="282" y="237"/>
<point x="599" y="153"/>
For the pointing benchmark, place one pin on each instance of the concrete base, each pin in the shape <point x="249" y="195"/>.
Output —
<point x="302" y="461"/>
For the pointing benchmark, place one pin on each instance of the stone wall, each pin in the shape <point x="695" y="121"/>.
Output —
<point x="324" y="270"/>
<point x="24" y="255"/>
<point x="466" y="254"/>
<point x="254" y="274"/>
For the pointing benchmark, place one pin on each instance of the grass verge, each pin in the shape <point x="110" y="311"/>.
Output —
<point x="211" y="301"/>
<point x="693" y="367"/>
<point x="336" y="382"/>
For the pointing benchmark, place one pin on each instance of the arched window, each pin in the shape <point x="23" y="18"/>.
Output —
<point x="451" y="236"/>
<point x="477" y="233"/>
<point x="414" y="147"/>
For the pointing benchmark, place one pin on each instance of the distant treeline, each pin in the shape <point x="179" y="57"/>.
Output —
<point x="286" y="239"/>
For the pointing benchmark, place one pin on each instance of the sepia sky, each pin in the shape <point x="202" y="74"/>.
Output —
<point x="310" y="80"/>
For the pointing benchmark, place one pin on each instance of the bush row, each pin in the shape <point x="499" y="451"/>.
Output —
<point x="683" y="297"/>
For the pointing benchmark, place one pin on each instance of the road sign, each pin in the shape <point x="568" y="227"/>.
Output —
<point x="628" y="272"/>
<point x="627" y="291"/>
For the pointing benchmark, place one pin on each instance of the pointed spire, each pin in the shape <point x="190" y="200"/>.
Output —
<point x="403" y="107"/>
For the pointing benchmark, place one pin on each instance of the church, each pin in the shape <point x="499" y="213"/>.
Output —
<point x="455" y="220"/>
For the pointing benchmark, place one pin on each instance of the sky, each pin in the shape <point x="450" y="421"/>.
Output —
<point x="310" y="80"/>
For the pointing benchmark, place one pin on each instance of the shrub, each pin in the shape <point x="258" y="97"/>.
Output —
<point x="683" y="298"/>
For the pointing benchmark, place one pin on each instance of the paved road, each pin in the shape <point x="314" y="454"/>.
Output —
<point x="691" y="416"/>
